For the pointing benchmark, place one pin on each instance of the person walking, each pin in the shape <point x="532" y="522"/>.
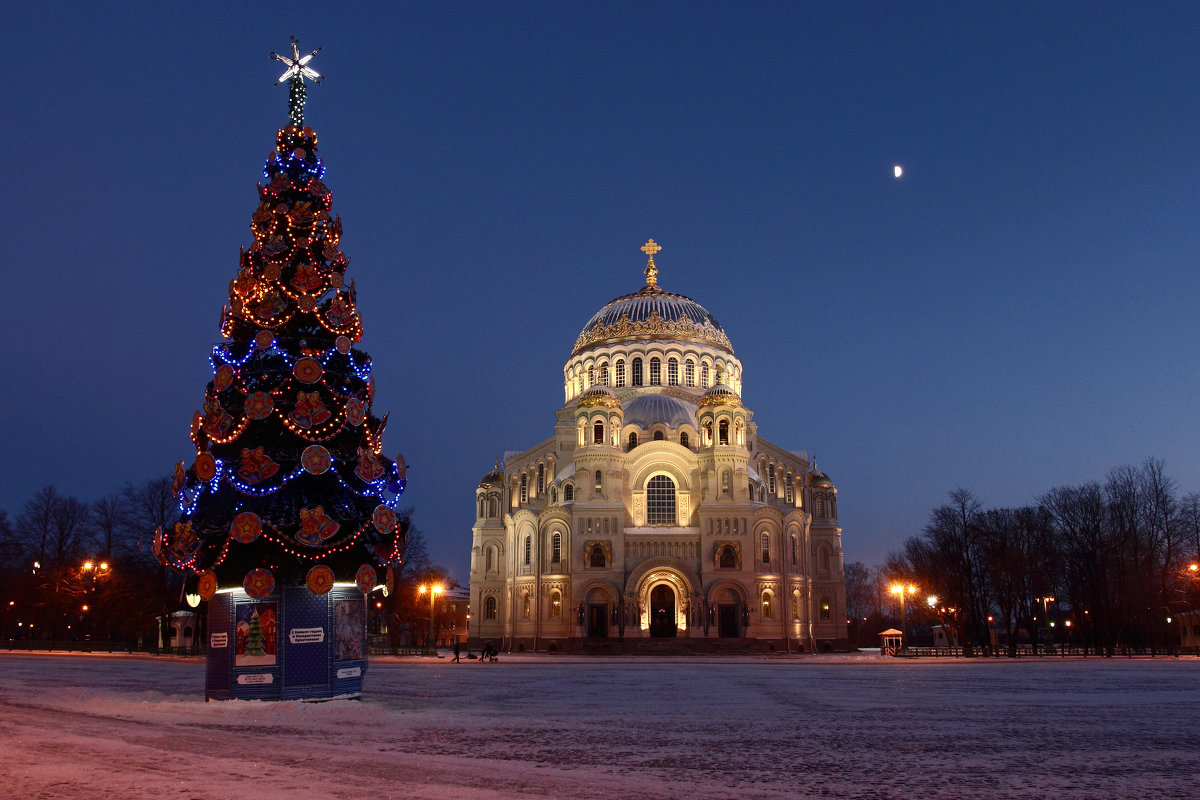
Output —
<point x="456" y="651"/>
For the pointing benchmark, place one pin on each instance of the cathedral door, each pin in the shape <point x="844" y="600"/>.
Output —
<point x="727" y="620"/>
<point x="597" y="621"/>
<point x="662" y="611"/>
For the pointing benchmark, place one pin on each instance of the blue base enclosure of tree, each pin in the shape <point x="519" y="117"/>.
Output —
<point x="290" y="645"/>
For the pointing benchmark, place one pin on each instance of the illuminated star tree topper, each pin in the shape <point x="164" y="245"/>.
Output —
<point x="297" y="71"/>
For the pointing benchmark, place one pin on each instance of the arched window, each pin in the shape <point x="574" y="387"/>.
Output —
<point x="555" y="604"/>
<point x="658" y="436"/>
<point x="795" y="605"/>
<point x="489" y="608"/>
<point x="637" y="372"/>
<point x="493" y="506"/>
<point x="553" y="495"/>
<point x="655" y="371"/>
<point x="660" y="501"/>
<point x="726" y="482"/>
<point x="704" y="376"/>
<point x="569" y="493"/>
<point x="673" y="372"/>
<point x="683" y="439"/>
<point x="766" y="548"/>
<point x="823" y="560"/>
<point x="728" y="557"/>
<point x="556" y="548"/>
<point x="768" y="609"/>
<point x="708" y="432"/>
<point x="740" y="431"/>
<point x="524" y="487"/>
<point x="541" y="478"/>
<point x="793" y="549"/>
<point x="591" y="377"/>
<point x="820" y="503"/>
<point x="525" y="605"/>
<point x="604" y="373"/>
<point x="788" y="487"/>
<point x="771" y="480"/>
<point x="599" y="479"/>
<point x="723" y="432"/>
<point x="596" y="557"/>
<point x="826" y="608"/>
<point x="528" y="549"/>
<point x="632" y="440"/>
<point x="689" y="373"/>
<point x="620" y="368"/>
<point x="491" y="559"/>
<point x="598" y="432"/>
<point x="482" y="501"/>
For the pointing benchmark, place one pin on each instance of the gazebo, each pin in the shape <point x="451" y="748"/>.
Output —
<point x="890" y="642"/>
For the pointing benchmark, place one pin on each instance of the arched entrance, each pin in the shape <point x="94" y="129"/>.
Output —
<point x="728" y="615"/>
<point x="597" y="614"/>
<point x="662" y="611"/>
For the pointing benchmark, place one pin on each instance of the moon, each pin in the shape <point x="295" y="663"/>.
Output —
<point x="897" y="170"/>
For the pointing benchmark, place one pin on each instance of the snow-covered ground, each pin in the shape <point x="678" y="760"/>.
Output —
<point x="111" y="727"/>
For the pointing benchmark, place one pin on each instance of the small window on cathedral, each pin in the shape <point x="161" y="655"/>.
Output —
<point x="528" y="550"/>
<point x="820" y="506"/>
<point x="604" y="373"/>
<point x="771" y="479"/>
<point x="793" y="549"/>
<point x="795" y="605"/>
<point x="673" y="372"/>
<point x="689" y="373"/>
<point x="596" y="557"/>
<point x="569" y="493"/>
<point x="788" y="488"/>
<point x="632" y="440"/>
<point x="658" y="436"/>
<point x="599" y="479"/>
<point x="541" y="478"/>
<point x="637" y="372"/>
<point x="493" y="506"/>
<point x="556" y="548"/>
<point x="704" y="376"/>
<point x="655" y="371"/>
<point x="768" y="609"/>
<point x="491" y="560"/>
<point x="683" y="439"/>
<point x="728" y="557"/>
<point x="591" y="377"/>
<point x="826" y="608"/>
<point x="598" y="432"/>
<point x="489" y="608"/>
<point x="726" y="482"/>
<point x="766" y="549"/>
<point x="524" y="487"/>
<point x="555" y="604"/>
<point x="620" y="369"/>
<point x="553" y="495"/>
<point x="525" y="605"/>
<point x="723" y="432"/>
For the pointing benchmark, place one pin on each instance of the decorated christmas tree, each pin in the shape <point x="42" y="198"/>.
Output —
<point x="288" y="485"/>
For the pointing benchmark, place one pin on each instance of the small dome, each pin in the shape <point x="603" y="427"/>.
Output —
<point x="818" y="478"/>
<point x="599" y="395"/>
<point x="653" y="409"/>
<point x="721" y="395"/>
<point x="493" y="478"/>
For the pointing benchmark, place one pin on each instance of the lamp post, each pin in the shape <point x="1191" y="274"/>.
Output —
<point x="433" y="590"/>
<point x="899" y="589"/>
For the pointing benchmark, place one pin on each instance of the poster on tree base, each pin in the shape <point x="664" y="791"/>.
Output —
<point x="256" y="626"/>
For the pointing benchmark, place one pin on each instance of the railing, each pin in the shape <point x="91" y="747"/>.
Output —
<point x="37" y="645"/>
<point x="1046" y="651"/>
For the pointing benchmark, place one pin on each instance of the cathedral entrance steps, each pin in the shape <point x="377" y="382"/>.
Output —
<point x="667" y="646"/>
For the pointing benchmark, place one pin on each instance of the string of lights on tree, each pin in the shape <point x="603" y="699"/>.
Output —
<point x="288" y="483"/>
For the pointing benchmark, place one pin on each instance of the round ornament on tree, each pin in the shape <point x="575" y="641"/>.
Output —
<point x="206" y="587"/>
<point x="316" y="460"/>
<point x="246" y="527"/>
<point x="365" y="578"/>
<point x="319" y="580"/>
<point x="259" y="583"/>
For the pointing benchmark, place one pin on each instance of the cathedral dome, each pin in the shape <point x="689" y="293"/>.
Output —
<point x="493" y="478"/>
<point x="720" y="395"/>
<point x="599" y="395"/>
<point x="652" y="313"/>
<point x="817" y="478"/>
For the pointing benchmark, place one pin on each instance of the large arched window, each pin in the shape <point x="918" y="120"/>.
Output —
<point x="637" y="372"/>
<point x="660" y="501"/>
<point x="673" y="372"/>
<point x="489" y="608"/>
<point x="620" y="369"/>
<point x="596" y="557"/>
<point x="765" y="541"/>
<point x="689" y="373"/>
<point x="556" y="548"/>
<point x="728" y="557"/>
<point x="598" y="432"/>
<point x="655" y="371"/>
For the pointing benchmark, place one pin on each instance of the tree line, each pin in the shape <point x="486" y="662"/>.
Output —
<point x="74" y="570"/>
<point x="1108" y="566"/>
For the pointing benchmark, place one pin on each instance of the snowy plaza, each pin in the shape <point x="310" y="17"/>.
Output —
<point x="861" y="726"/>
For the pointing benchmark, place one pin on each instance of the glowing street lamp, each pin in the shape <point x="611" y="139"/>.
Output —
<point x="433" y="589"/>
<point x="899" y="589"/>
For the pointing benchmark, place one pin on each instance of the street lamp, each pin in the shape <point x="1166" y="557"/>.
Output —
<point x="433" y="590"/>
<point x="899" y="589"/>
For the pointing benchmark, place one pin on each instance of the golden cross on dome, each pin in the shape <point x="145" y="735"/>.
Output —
<point x="650" y="248"/>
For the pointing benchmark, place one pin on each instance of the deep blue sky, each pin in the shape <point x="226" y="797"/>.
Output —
<point x="1017" y="312"/>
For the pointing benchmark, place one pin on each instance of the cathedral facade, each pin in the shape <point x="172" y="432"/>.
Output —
<point x="656" y="516"/>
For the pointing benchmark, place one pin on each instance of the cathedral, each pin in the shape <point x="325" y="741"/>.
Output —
<point x="655" y="518"/>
